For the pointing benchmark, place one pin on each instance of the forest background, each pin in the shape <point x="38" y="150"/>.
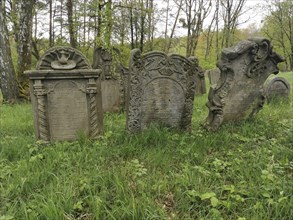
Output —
<point x="200" y="28"/>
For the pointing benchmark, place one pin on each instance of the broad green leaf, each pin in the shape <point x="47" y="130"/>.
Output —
<point x="214" y="202"/>
<point x="207" y="195"/>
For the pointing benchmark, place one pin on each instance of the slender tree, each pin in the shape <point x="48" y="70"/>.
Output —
<point x="8" y="82"/>
<point x="231" y="11"/>
<point x="278" y="26"/>
<point x="24" y="49"/>
<point x="196" y="12"/>
<point x="71" y="25"/>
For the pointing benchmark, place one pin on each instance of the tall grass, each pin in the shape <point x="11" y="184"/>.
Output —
<point x="244" y="171"/>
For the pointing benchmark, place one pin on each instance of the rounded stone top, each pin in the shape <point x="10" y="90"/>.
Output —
<point x="63" y="58"/>
<point x="277" y="87"/>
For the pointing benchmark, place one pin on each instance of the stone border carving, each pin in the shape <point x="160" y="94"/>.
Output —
<point x="93" y="119"/>
<point x="138" y="74"/>
<point x="251" y="61"/>
<point x="63" y="58"/>
<point x="42" y="120"/>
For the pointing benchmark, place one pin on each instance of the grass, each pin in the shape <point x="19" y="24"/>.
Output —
<point x="244" y="171"/>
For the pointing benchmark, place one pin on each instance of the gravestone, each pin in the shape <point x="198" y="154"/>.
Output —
<point x="199" y="77"/>
<point x="123" y="72"/>
<point x="239" y="91"/>
<point x="66" y="96"/>
<point x="277" y="87"/>
<point x="214" y="75"/>
<point x="112" y="95"/>
<point x="161" y="90"/>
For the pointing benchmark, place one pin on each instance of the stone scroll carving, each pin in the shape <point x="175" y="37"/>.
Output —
<point x="161" y="90"/>
<point x="239" y="91"/>
<point x="66" y="96"/>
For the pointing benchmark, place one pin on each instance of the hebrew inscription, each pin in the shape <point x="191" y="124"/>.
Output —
<point x="67" y="117"/>
<point x="160" y="90"/>
<point x="239" y="91"/>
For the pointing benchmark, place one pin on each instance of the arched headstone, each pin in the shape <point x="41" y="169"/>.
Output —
<point x="161" y="90"/>
<point x="66" y="96"/>
<point x="277" y="87"/>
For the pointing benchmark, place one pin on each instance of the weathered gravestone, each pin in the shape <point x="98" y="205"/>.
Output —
<point x="199" y="77"/>
<point x="277" y="87"/>
<point x="239" y="91"/>
<point x="66" y="96"/>
<point x="112" y="94"/>
<point x="123" y="72"/>
<point x="161" y="90"/>
<point x="214" y="75"/>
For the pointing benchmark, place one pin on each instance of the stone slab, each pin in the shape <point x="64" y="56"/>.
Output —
<point x="161" y="90"/>
<point x="239" y="91"/>
<point x="66" y="96"/>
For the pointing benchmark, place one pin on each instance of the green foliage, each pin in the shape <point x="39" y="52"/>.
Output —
<point x="244" y="171"/>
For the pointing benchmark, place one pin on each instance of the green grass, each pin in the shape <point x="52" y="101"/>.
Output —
<point x="244" y="171"/>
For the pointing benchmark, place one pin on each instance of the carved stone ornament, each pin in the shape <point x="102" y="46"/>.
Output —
<point x="66" y="96"/>
<point x="239" y="91"/>
<point x="63" y="58"/>
<point x="161" y="90"/>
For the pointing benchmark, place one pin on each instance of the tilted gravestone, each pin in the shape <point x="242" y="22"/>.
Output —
<point x="161" y="90"/>
<point x="112" y="94"/>
<point x="66" y="96"/>
<point x="277" y="87"/>
<point x="239" y="91"/>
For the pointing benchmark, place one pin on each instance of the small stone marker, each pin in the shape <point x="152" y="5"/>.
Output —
<point x="214" y="75"/>
<point x="66" y="96"/>
<point x="239" y="91"/>
<point x="161" y="90"/>
<point x="277" y="87"/>
<point x="112" y="94"/>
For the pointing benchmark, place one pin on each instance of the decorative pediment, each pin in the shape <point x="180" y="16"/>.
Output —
<point x="63" y="58"/>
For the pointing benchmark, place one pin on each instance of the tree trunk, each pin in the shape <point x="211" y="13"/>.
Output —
<point x="24" y="43"/>
<point x="71" y="27"/>
<point x="51" y="43"/>
<point x="131" y="28"/>
<point x="8" y="82"/>
<point x="142" y="23"/>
